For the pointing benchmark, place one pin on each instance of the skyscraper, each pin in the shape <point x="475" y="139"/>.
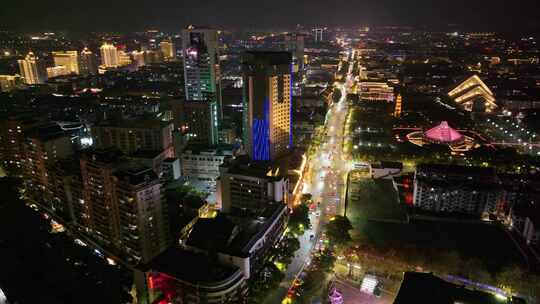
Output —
<point x="109" y="55"/>
<point x="87" y="64"/>
<point x="121" y="206"/>
<point x="201" y="68"/>
<point x="69" y="59"/>
<point x="267" y="104"/>
<point x="32" y="69"/>
<point x="167" y="49"/>
<point x="194" y="118"/>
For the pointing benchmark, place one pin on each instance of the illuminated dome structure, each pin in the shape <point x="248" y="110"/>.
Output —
<point x="443" y="134"/>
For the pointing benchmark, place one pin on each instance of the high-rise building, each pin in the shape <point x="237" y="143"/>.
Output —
<point x="168" y="49"/>
<point x="32" y="69"/>
<point x="249" y="186"/>
<point x="195" y="119"/>
<point x="69" y="59"/>
<point x="201" y="67"/>
<point x="109" y="55"/>
<point x="455" y="189"/>
<point x="123" y="58"/>
<point x="121" y="207"/>
<point x="267" y="104"/>
<point x="87" y="64"/>
<point x="12" y="130"/>
<point x="43" y="146"/>
<point x="138" y="57"/>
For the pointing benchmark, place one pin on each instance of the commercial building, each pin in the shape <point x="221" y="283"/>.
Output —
<point x="250" y="186"/>
<point x="57" y="71"/>
<point x="68" y="59"/>
<point x="455" y="189"/>
<point x="203" y="162"/>
<point x="267" y="104"/>
<point x="109" y="56"/>
<point x="87" y="63"/>
<point x="242" y="241"/>
<point x="198" y="279"/>
<point x="32" y="69"/>
<point x="201" y="68"/>
<point x="376" y="91"/>
<point x="294" y="43"/>
<point x="168" y="50"/>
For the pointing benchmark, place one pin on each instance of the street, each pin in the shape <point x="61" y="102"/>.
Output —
<point x="325" y="181"/>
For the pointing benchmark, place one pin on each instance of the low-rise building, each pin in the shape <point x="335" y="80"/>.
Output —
<point x="203" y="162"/>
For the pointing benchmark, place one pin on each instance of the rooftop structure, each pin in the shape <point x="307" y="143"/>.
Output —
<point x="473" y="95"/>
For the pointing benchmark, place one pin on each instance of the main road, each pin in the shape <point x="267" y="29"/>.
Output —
<point x="325" y="181"/>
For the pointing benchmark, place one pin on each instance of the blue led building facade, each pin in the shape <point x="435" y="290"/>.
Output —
<point x="267" y="99"/>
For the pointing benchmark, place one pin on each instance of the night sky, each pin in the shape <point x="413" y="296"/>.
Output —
<point x="173" y="14"/>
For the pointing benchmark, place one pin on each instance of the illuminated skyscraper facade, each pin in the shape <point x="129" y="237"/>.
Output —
<point x="32" y="69"/>
<point x="201" y="68"/>
<point x="87" y="63"/>
<point x="267" y="104"/>
<point x="68" y="59"/>
<point x="109" y="56"/>
<point x="168" y="50"/>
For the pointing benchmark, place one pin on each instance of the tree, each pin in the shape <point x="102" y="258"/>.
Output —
<point x="338" y="230"/>
<point x="299" y="219"/>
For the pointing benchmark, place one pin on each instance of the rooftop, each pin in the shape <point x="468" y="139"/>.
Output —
<point x="191" y="267"/>
<point x="426" y="288"/>
<point x="443" y="133"/>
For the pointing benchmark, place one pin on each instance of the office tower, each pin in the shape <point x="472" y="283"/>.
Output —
<point x="32" y="69"/>
<point x="250" y="186"/>
<point x="132" y="135"/>
<point x="87" y="65"/>
<point x="121" y="206"/>
<point x="109" y="56"/>
<point x="138" y="57"/>
<point x="201" y="67"/>
<point x="69" y="59"/>
<point x="195" y="121"/>
<point x="10" y="82"/>
<point x="294" y="43"/>
<point x="168" y="50"/>
<point x="267" y="104"/>
<point x="318" y="34"/>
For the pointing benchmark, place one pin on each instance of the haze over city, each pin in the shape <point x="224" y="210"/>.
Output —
<point x="345" y="152"/>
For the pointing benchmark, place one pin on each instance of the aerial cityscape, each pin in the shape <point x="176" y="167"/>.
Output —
<point x="352" y="152"/>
